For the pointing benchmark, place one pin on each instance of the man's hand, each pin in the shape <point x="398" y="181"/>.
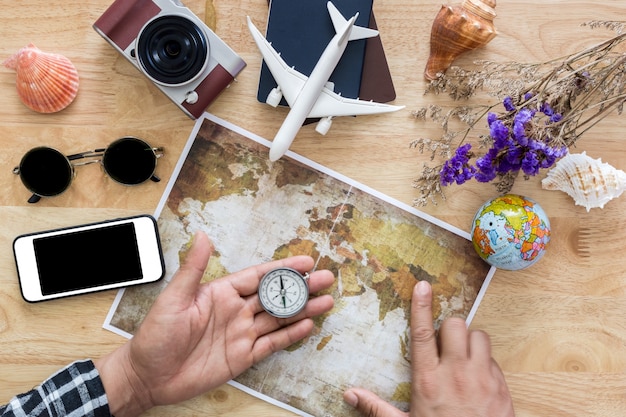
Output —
<point x="458" y="379"/>
<point x="199" y="336"/>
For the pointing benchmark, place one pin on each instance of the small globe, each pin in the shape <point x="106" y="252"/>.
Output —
<point x="510" y="232"/>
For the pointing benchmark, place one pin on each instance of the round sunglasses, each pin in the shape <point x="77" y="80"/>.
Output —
<point x="46" y="172"/>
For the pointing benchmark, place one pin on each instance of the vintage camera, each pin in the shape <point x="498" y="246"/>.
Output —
<point x="172" y="47"/>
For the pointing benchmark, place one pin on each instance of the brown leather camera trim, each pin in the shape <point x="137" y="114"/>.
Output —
<point x="123" y="20"/>
<point x="208" y="90"/>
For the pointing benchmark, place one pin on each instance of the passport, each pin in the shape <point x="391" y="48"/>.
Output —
<point x="300" y="30"/>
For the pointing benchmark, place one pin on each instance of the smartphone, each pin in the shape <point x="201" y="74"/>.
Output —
<point x="88" y="258"/>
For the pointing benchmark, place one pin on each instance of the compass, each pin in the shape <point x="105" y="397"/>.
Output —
<point x="284" y="292"/>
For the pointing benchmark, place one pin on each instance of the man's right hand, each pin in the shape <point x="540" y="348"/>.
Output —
<point x="459" y="378"/>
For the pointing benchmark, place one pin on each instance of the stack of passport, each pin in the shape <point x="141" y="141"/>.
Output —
<point x="300" y="30"/>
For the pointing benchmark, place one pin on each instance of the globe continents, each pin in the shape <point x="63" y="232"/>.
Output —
<point x="510" y="232"/>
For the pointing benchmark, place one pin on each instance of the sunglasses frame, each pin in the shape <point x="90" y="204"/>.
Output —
<point x="96" y="153"/>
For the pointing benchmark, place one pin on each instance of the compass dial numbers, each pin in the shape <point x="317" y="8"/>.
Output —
<point x="283" y="292"/>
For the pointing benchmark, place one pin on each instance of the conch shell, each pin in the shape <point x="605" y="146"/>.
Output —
<point x="458" y="29"/>
<point x="45" y="82"/>
<point x="590" y="182"/>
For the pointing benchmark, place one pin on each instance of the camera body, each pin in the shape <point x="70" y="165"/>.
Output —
<point x="171" y="46"/>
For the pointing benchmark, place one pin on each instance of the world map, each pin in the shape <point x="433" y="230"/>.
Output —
<point x="255" y="210"/>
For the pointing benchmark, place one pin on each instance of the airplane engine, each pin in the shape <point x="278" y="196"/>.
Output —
<point x="323" y="125"/>
<point x="274" y="97"/>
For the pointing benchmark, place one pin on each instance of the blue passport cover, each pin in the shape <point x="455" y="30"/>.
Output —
<point x="301" y="29"/>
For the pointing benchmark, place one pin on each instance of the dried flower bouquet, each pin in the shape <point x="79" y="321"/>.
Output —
<point x="540" y="111"/>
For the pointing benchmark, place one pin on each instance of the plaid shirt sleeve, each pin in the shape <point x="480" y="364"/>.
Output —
<point x="74" y="391"/>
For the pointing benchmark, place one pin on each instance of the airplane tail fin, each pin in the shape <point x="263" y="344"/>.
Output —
<point x="358" y="32"/>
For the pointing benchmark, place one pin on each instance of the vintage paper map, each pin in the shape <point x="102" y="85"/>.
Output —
<point x="255" y="210"/>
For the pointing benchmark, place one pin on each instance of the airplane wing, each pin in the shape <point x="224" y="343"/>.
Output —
<point x="330" y="104"/>
<point x="291" y="81"/>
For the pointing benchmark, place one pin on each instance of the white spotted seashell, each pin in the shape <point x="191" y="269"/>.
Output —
<point x="45" y="82"/>
<point x="590" y="182"/>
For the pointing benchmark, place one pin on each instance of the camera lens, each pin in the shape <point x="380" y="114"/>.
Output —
<point x="172" y="50"/>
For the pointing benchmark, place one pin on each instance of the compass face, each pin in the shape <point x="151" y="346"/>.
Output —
<point x="283" y="292"/>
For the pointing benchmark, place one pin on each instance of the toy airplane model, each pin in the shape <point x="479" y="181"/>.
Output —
<point x="313" y="96"/>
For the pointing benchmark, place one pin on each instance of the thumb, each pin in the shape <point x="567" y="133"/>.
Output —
<point x="370" y="404"/>
<point x="185" y="282"/>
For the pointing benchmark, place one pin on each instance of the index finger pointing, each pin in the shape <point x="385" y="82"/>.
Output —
<point x="424" y="351"/>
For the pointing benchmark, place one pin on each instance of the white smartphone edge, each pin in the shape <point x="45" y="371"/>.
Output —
<point x="148" y="244"/>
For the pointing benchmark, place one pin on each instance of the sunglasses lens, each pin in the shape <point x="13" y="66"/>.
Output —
<point x="129" y="161"/>
<point x="45" y="171"/>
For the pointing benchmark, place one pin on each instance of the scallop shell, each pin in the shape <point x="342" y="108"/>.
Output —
<point x="45" y="82"/>
<point x="458" y="29"/>
<point x="590" y="182"/>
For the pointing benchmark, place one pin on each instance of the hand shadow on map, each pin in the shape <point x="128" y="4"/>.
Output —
<point x="255" y="210"/>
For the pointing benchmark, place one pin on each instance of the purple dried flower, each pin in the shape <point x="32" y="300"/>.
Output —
<point x="514" y="155"/>
<point x="505" y="165"/>
<point x="485" y="165"/>
<point x="500" y="133"/>
<point x="457" y="168"/>
<point x="485" y="176"/>
<point x="546" y="109"/>
<point x="524" y="116"/>
<point x="530" y="163"/>
<point x="556" y="117"/>
<point x="519" y="133"/>
<point x="508" y="104"/>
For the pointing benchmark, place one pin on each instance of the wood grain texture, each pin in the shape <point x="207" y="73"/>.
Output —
<point x="558" y="329"/>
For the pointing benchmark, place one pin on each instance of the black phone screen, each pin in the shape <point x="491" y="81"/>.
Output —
<point x="87" y="259"/>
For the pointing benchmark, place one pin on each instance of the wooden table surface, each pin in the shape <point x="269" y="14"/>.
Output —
<point x="558" y="329"/>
